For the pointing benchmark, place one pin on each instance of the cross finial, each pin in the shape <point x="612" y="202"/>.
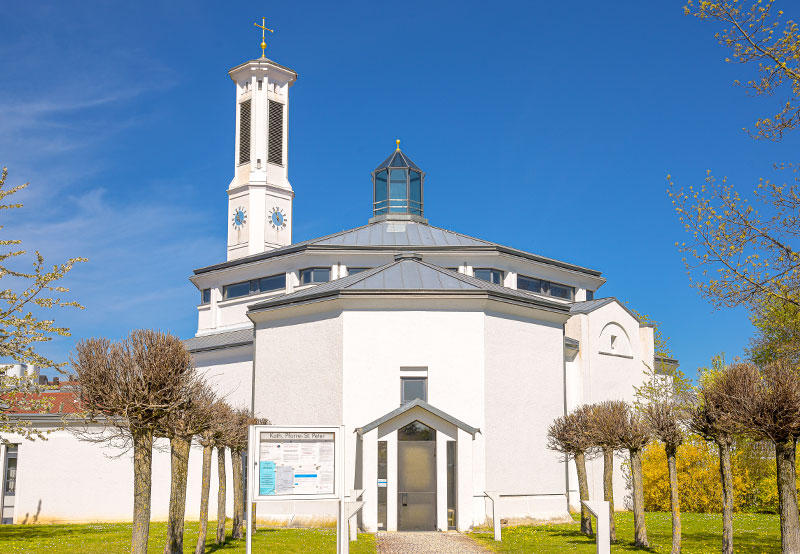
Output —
<point x="264" y="29"/>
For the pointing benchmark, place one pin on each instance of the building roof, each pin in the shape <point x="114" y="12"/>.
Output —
<point x="396" y="235"/>
<point x="216" y="341"/>
<point x="417" y="403"/>
<point x="408" y="273"/>
<point x="61" y="402"/>
<point x="588" y="306"/>
<point x="397" y="159"/>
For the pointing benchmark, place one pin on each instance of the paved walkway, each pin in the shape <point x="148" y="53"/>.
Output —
<point x="427" y="543"/>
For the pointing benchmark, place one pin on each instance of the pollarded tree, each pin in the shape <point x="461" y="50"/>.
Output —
<point x="765" y="404"/>
<point x="709" y="417"/>
<point x="227" y="428"/>
<point x="634" y="435"/>
<point x="237" y="442"/>
<point x="663" y="400"/>
<point x="180" y="427"/>
<point x="131" y="386"/>
<point x="210" y="439"/>
<point x="24" y="296"/>
<point x="607" y="418"/>
<point x="569" y="435"/>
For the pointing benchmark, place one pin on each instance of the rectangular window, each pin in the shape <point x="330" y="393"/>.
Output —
<point x="205" y="296"/>
<point x="492" y="275"/>
<point x="315" y="275"/>
<point x="546" y="287"/>
<point x="561" y="291"/>
<point x="413" y="388"/>
<point x="452" y="484"/>
<point x="10" y="477"/>
<point x="244" y="132"/>
<point x="236" y="290"/>
<point x="382" y="484"/>
<point x="354" y="270"/>
<point x="529" y="283"/>
<point x="275" y="135"/>
<point x="589" y="295"/>
<point x="275" y="282"/>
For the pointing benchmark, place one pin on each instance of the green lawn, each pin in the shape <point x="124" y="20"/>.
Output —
<point x="114" y="538"/>
<point x="702" y="533"/>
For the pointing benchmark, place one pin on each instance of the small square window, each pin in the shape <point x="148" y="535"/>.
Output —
<point x="589" y="295"/>
<point x="205" y="297"/>
<point x="413" y="388"/>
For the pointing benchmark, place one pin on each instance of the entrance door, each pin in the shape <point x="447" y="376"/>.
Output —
<point x="416" y="478"/>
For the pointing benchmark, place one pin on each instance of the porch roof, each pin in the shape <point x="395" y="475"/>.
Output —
<point x="418" y="403"/>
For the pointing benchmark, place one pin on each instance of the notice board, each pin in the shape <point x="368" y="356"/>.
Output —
<point x="295" y="463"/>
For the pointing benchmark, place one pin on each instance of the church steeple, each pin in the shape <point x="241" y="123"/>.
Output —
<point x="260" y="195"/>
<point x="397" y="189"/>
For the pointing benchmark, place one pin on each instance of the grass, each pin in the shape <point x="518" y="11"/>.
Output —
<point x="115" y="538"/>
<point x="701" y="534"/>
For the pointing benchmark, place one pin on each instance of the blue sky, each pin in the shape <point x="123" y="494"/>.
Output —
<point x="547" y="127"/>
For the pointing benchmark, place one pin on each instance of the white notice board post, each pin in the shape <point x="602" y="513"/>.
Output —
<point x="296" y="463"/>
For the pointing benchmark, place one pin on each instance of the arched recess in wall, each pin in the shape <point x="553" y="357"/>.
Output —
<point x="614" y="340"/>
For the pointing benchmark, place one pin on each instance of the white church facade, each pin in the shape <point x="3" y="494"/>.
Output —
<point x="445" y="357"/>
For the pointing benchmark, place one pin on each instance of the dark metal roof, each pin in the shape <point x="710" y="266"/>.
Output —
<point x="216" y="341"/>
<point x="395" y="235"/>
<point x="397" y="159"/>
<point x="569" y="342"/>
<point x="409" y="274"/>
<point x="418" y="403"/>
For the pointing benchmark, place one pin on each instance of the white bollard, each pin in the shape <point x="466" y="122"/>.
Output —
<point x="599" y="509"/>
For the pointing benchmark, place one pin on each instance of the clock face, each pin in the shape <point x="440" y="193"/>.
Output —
<point x="239" y="218"/>
<point x="277" y="218"/>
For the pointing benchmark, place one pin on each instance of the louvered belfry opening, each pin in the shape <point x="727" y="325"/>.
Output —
<point x="275" y="135"/>
<point x="244" y="132"/>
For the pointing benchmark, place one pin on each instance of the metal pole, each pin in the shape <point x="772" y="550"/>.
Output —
<point x="251" y="460"/>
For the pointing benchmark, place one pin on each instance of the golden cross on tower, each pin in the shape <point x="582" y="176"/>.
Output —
<point x="264" y="29"/>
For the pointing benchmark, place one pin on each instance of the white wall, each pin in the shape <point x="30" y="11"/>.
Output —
<point x="65" y="480"/>
<point x="524" y="394"/>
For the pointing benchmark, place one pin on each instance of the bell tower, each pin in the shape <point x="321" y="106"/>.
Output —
<point x="260" y="196"/>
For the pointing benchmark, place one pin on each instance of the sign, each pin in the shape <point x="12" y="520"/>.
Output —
<point x="296" y="463"/>
<point x="293" y="463"/>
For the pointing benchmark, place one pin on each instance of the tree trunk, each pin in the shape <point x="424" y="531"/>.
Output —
<point x="674" y="498"/>
<point x="639" y="526"/>
<point x="727" y="495"/>
<point x="204" y="492"/>
<point x="179" y="464"/>
<point x="221" y="495"/>
<point x="787" y="496"/>
<point x="583" y="492"/>
<point x="608" y="489"/>
<point x="142" y="485"/>
<point x="238" y="486"/>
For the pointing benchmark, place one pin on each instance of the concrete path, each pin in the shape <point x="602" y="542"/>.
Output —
<point x="427" y="543"/>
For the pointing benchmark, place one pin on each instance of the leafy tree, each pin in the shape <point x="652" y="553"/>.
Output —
<point x="754" y="256"/>
<point x="131" y="387"/>
<point x="607" y="418"/>
<point x="777" y="337"/>
<point x="24" y="296"/>
<point x="569" y="435"/>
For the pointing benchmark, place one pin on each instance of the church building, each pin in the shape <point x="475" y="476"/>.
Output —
<point x="444" y="356"/>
